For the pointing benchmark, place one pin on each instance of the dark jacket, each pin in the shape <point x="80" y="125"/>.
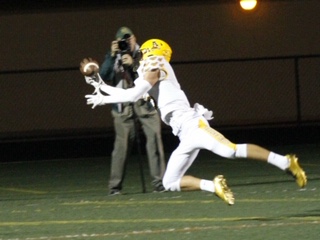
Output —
<point x="115" y="74"/>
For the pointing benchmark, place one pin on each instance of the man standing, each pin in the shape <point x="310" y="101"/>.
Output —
<point x="119" y="69"/>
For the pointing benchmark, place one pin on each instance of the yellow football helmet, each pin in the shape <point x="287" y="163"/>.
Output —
<point x="156" y="47"/>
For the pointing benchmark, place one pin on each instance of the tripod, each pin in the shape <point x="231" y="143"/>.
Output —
<point x="138" y="141"/>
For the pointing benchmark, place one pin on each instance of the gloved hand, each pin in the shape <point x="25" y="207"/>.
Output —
<point x="93" y="81"/>
<point x="203" y="111"/>
<point x="95" y="99"/>
<point x="152" y="64"/>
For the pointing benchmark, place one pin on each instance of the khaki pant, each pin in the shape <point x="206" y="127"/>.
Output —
<point x="124" y="124"/>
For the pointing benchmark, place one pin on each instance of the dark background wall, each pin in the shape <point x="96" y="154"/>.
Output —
<point x="257" y="68"/>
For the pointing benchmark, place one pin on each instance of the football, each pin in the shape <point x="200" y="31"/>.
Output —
<point x="89" y="67"/>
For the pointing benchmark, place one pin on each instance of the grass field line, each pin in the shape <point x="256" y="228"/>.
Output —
<point x="310" y="164"/>
<point x="315" y="219"/>
<point x="153" y="202"/>
<point x="292" y="221"/>
<point x="20" y="190"/>
<point x="162" y="231"/>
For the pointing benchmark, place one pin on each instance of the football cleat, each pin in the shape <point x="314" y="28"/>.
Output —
<point x="296" y="171"/>
<point x="222" y="190"/>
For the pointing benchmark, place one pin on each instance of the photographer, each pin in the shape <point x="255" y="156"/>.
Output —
<point x="119" y="70"/>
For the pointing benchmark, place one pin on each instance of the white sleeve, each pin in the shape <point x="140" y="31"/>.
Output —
<point x="118" y="95"/>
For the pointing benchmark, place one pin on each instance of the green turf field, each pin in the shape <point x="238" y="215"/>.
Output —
<point x="67" y="199"/>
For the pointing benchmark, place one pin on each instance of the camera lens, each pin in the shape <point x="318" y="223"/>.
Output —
<point x="123" y="45"/>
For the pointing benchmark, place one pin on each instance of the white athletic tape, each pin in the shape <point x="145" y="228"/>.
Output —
<point x="86" y="67"/>
<point x="153" y="63"/>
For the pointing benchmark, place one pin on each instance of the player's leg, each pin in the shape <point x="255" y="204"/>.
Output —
<point x="217" y="143"/>
<point x="288" y="163"/>
<point x="179" y="162"/>
<point x="218" y="186"/>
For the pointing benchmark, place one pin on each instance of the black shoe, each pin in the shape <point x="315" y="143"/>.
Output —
<point x="159" y="189"/>
<point x="114" y="192"/>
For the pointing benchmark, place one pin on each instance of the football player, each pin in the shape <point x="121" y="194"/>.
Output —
<point x="190" y="124"/>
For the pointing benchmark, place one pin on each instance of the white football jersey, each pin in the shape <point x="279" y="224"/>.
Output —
<point x="170" y="99"/>
<point x="167" y="92"/>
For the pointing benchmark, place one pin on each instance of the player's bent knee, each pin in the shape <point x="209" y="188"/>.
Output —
<point x="171" y="185"/>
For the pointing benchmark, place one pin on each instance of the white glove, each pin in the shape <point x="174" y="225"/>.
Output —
<point x="95" y="99"/>
<point x="146" y="97"/>
<point x="94" y="81"/>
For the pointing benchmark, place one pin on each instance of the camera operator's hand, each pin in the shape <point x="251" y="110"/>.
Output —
<point x="114" y="48"/>
<point x="127" y="59"/>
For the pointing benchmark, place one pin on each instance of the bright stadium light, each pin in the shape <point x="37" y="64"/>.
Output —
<point x="248" y="4"/>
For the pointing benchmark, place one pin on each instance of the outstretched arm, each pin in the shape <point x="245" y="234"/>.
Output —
<point x="149" y="74"/>
<point x="118" y="95"/>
